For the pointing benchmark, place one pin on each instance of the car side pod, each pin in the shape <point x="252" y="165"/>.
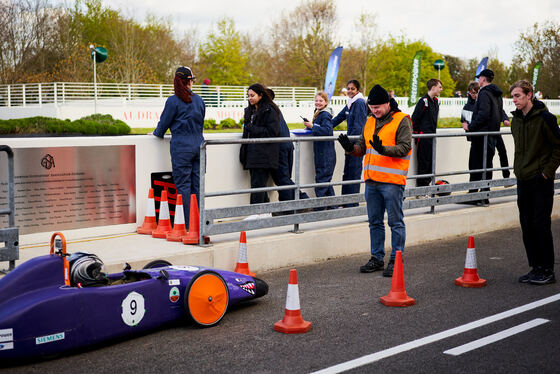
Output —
<point x="397" y="295"/>
<point x="293" y="322"/>
<point x="470" y="274"/>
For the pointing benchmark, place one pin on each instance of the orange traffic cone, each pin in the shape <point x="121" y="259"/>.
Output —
<point x="179" y="230"/>
<point x="397" y="295"/>
<point x="150" y="223"/>
<point x="470" y="275"/>
<point x="164" y="224"/>
<point x="293" y="322"/>
<point x="242" y="263"/>
<point x="194" y="223"/>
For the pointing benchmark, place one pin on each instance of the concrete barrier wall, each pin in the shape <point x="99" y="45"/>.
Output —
<point x="224" y="172"/>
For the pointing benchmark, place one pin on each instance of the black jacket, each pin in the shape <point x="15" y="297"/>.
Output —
<point x="261" y="123"/>
<point x="424" y="118"/>
<point x="537" y="142"/>
<point x="488" y="111"/>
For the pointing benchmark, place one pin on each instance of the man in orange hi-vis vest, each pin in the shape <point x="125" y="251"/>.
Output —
<point x="386" y="144"/>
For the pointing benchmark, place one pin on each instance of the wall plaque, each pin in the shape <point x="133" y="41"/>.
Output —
<point x="62" y="188"/>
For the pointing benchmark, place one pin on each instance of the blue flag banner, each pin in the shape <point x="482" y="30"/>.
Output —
<point x="332" y="71"/>
<point x="483" y="65"/>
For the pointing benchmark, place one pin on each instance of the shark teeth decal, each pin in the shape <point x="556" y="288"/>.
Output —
<point x="248" y="287"/>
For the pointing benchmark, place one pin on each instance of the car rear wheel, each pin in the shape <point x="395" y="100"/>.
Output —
<point x="207" y="299"/>
<point x="156" y="264"/>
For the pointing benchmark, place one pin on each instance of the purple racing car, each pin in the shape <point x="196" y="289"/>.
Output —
<point x="59" y="302"/>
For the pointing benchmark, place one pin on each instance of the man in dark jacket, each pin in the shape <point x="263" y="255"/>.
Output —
<point x="424" y="121"/>
<point x="487" y="116"/>
<point x="537" y="156"/>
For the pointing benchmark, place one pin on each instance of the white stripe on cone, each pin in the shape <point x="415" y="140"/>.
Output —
<point x="292" y="299"/>
<point x="179" y="215"/>
<point x="151" y="208"/>
<point x="242" y="257"/>
<point x="164" y="210"/>
<point x="470" y="260"/>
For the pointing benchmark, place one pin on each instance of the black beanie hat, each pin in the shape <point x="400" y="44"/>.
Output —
<point x="377" y="95"/>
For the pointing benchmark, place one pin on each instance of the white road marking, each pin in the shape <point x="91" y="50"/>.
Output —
<point x="368" y="359"/>
<point x="495" y="337"/>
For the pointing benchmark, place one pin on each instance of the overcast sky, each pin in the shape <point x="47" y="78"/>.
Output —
<point x="464" y="28"/>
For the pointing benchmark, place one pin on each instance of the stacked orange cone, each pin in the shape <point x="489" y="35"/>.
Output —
<point x="150" y="223"/>
<point x="293" y="322"/>
<point x="242" y="265"/>
<point x="470" y="275"/>
<point x="164" y="224"/>
<point x="179" y="230"/>
<point x="397" y="295"/>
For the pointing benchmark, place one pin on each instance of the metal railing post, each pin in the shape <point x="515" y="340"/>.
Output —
<point x="202" y="186"/>
<point x="129" y="92"/>
<point x="23" y="93"/>
<point x="484" y="155"/>
<point x="55" y="94"/>
<point x="9" y="96"/>
<point x="63" y="93"/>
<point x="434" y="145"/>
<point x="297" y="178"/>
<point x="40" y="95"/>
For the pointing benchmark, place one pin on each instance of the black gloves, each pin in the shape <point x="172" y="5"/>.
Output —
<point x="377" y="144"/>
<point x="346" y="143"/>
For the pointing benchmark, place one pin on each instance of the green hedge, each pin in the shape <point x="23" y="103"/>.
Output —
<point x="97" y="124"/>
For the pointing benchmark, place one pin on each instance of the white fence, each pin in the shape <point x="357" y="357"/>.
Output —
<point x="140" y="105"/>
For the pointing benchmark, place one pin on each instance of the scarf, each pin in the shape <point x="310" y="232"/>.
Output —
<point x="356" y="97"/>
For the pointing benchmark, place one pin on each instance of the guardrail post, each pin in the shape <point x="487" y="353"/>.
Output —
<point x="201" y="193"/>
<point x="129" y="92"/>
<point x="63" y="92"/>
<point x="297" y="171"/>
<point x="293" y="93"/>
<point x="161" y="93"/>
<point x="9" y="96"/>
<point x="55" y="93"/>
<point x="40" y="95"/>
<point x="434" y="145"/>
<point x="23" y="93"/>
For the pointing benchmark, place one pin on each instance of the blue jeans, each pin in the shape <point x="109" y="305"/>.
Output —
<point x="381" y="197"/>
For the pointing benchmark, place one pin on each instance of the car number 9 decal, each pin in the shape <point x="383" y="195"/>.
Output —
<point x="133" y="309"/>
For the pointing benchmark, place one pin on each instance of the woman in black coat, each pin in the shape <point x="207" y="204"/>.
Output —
<point x="262" y="120"/>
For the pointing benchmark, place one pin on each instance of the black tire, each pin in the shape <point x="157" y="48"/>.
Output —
<point x="157" y="264"/>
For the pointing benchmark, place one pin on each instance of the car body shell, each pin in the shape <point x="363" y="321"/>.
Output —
<point x="41" y="315"/>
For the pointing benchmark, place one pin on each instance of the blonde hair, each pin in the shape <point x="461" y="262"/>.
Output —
<point x="325" y="97"/>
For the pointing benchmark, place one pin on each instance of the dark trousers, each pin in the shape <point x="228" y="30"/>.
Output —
<point x="424" y="160"/>
<point x="502" y="154"/>
<point x="534" y="200"/>
<point x="186" y="176"/>
<point x="259" y="178"/>
<point x="282" y="176"/>
<point x="352" y="171"/>
<point x="476" y="155"/>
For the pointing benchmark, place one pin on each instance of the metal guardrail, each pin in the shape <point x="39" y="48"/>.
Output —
<point x="64" y="92"/>
<point x="9" y="235"/>
<point x="230" y="219"/>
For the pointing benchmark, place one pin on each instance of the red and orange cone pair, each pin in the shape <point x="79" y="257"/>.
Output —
<point x="397" y="295"/>
<point x="293" y="322"/>
<point x="164" y="224"/>
<point x="179" y="230"/>
<point x="150" y="223"/>
<point x="242" y="265"/>
<point x="470" y="275"/>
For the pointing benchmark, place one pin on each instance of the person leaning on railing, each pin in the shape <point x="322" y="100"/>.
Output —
<point x="184" y="114"/>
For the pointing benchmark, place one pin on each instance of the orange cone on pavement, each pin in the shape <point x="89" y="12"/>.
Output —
<point x="242" y="265"/>
<point x="470" y="275"/>
<point x="179" y="230"/>
<point x="164" y="224"/>
<point x="397" y="295"/>
<point x="194" y="223"/>
<point x="293" y="322"/>
<point x="150" y="223"/>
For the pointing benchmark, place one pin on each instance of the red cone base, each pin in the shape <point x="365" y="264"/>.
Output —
<point x="292" y="323"/>
<point x="470" y="279"/>
<point x="243" y="268"/>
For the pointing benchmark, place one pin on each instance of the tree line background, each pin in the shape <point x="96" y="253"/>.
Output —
<point x="43" y="42"/>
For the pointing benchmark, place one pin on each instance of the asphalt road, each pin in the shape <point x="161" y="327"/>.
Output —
<point x="349" y="322"/>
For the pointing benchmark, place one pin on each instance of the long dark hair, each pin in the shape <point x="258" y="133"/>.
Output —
<point x="355" y="83"/>
<point x="180" y="86"/>
<point x="265" y="94"/>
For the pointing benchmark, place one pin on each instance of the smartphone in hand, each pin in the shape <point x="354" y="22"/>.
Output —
<point x="304" y="119"/>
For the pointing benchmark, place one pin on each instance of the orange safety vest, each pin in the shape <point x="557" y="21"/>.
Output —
<point x="381" y="168"/>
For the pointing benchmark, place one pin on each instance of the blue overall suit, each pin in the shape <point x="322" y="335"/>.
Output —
<point x="356" y="118"/>
<point x="186" y="122"/>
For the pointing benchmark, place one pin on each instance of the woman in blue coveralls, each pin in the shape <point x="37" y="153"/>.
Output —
<point x="355" y="114"/>
<point x="184" y="114"/>
<point x="325" y="156"/>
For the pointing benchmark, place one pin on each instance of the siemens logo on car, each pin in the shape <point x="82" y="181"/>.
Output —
<point x="49" y="338"/>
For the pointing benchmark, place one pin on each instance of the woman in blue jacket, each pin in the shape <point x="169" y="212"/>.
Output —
<point x="355" y="114"/>
<point x="184" y="114"/>
<point x="325" y="156"/>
